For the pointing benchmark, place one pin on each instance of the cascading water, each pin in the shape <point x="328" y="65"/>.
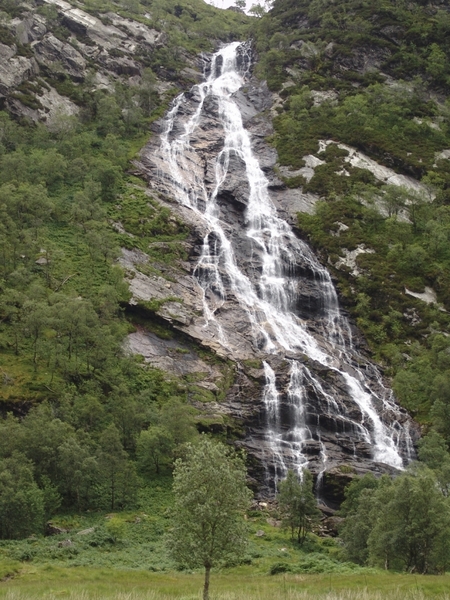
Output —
<point x="267" y="290"/>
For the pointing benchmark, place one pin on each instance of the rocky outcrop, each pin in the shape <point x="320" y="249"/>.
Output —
<point x="54" y="54"/>
<point x="111" y="47"/>
<point x="14" y="69"/>
<point x="28" y="29"/>
<point x="114" y="46"/>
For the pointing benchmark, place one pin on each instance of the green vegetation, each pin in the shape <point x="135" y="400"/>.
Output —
<point x="91" y="584"/>
<point x="407" y="38"/>
<point x="400" y="524"/>
<point x="87" y="426"/>
<point x="375" y="77"/>
<point x="210" y="501"/>
<point x="90" y="434"/>
<point x="298" y="506"/>
<point x="189" y="28"/>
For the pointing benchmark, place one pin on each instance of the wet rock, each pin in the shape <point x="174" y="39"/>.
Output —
<point x="330" y="526"/>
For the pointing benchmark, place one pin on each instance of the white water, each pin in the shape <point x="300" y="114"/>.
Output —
<point x="269" y="297"/>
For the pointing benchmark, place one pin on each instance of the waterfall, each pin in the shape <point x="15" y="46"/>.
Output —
<point x="267" y="290"/>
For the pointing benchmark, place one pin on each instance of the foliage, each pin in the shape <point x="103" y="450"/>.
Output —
<point x="392" y="114"/>
<point x="315" y="47"/>
<point x="400" y="524"/>
<point x="433" y="452"/>
<point x="21" y="501"/>
<point x="210" y="500"/>
<point x="65" y="196"/>
<point x="239" y="584"/>
<point x="298" y="505"/>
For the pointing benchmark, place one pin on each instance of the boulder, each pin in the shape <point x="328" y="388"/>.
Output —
<point x="87" y="531"/>
<point x="29" y="29"/>
<point x="52" y="529"/>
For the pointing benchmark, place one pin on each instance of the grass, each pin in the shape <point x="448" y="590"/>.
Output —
<point x="137" y="567"/>
<point x="51" y="583"/>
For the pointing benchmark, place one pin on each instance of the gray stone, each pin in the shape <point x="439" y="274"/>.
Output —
<point x="55" y="54"/>
<point x="52" y="529"/>
<point x="14" y="69"/>
<point x="86" y="531"/>
<point x="32" y="27"/>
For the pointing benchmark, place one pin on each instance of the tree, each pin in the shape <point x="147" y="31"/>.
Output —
<point x="78" y="473"/>
<point x="412" y="528"/>
<point x="399" y="524"/>
<point x="178" y="419"/>
<point x="147" y="93"/>
<point x="153" y="447"/>
<point x="257" y="10"/>
<point x="117" y="474"/>
<point x="360" y="508"/>
<point x="394" y="199"/>
<point x="21" y="501"/>
<point x="211" y="497"/>
<point x="434" y="453"/>
<point x="298" y="505"/>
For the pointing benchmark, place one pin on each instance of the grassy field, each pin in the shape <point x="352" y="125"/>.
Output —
<point x="137" y="567"/>
<point x="51" y="583"/>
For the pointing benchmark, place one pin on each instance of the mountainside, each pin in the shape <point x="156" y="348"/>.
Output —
<point x="128" y="308"/>
<point x="362" y="121"/>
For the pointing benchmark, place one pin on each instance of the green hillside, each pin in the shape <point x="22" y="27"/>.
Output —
<point x="89" y="432"/>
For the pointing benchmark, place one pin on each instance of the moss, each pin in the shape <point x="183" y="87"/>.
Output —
<point x="252" y="363"/>
<point x="24" y="50"/>
<point x="155" y="230"/>
<point x="65" y="87"/>
<point x="214" y="425"/>
<point x="197" y="393"/>
<point x="346" y="469"/>
<point x="155" y="304"/>
<point x="6" y="37"/>
<point x="27" y="100"/>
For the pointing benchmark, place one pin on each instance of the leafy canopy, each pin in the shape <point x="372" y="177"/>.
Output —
<point x="211" y="497"/>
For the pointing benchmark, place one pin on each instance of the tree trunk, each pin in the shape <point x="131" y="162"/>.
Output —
<point x="206" y="586"/>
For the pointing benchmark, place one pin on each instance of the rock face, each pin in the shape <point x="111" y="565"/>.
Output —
<point x="338" y="439"/>
<point x="14" y="69"/>
<point x="49" y="50"/>
<point x="113" y="47"/>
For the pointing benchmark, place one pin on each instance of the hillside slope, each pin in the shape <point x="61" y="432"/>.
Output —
<point x="361" y="129"/>
<point x="362" y="121"/>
